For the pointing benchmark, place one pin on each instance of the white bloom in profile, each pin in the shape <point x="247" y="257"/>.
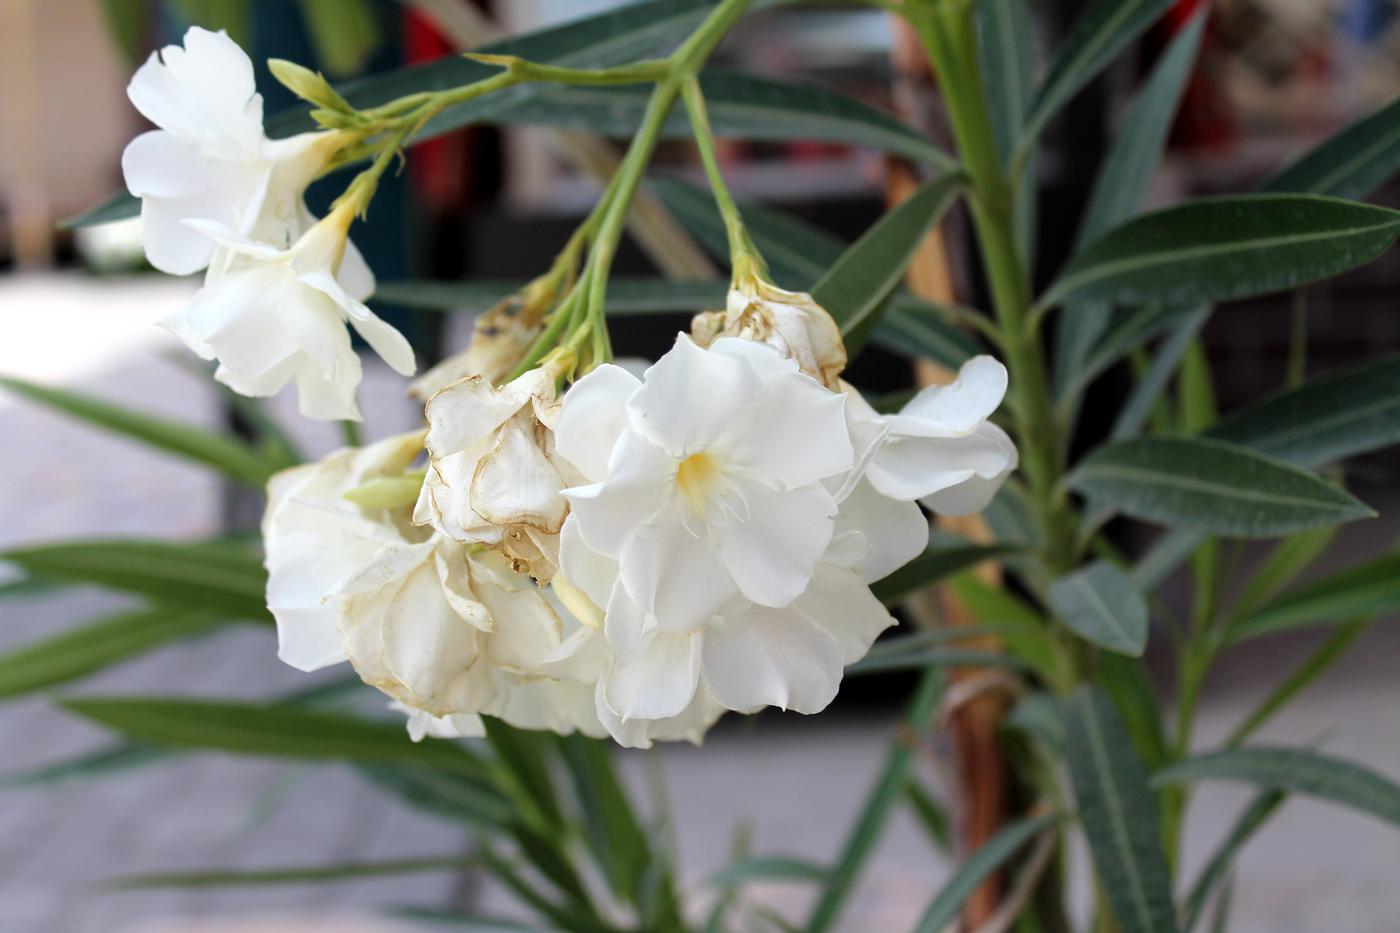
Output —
<point x="271" y="316"/>
<point x="494" y="477"/>
<point x="940" y="448"/>
<point x="210" y="159"/>
<point x="707" y="476"/>
<point x="790" y="322"/>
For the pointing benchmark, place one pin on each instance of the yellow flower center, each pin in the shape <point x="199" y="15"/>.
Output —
<point x="697" y="477"/>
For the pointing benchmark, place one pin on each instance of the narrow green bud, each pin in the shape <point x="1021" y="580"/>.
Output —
<point x="308" y="85"/>
<point x="388" y="492"/>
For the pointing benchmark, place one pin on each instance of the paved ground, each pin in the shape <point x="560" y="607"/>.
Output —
<point x="1316" y="868"/>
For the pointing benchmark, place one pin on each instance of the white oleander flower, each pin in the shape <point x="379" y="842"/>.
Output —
<point x="448" y="634"/>
<point x="210" y="159"/>
<point x="660" y="683"/>
<point x="940" y="448"/>
<point x="272" y="316"/>
<point x="707" y="476"/>
<point x="494" y="477"/>
<point x="789" y="322"/>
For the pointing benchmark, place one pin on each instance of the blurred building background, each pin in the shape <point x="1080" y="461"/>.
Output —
<point x="1274" y="77"/>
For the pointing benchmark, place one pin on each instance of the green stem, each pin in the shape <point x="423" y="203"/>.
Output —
<point x="948" y="33"/>
<point x="745" y="260"/>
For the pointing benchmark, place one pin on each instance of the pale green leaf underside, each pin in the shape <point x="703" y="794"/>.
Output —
<point x="1099" y="603"/>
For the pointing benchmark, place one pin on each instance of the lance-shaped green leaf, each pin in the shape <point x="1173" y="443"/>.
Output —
<point x="1370" y="589"/>
<point x="768" y="868"/>
<point x="1129" y="330"/>
<point x="1008" y="53"/>
<point x="1210" y="486"/>
<point x="1102" y="30"/>
<point x="468" y="798"/>
<point x="1351" y="164"/>
<point x="1296" y="770"/>
<point x="740" y="105"/>
<point x="229" y="455"/>
<point x="1217" y="868"/>
<point x="94" y="646"/>
<point x="1165" y="362"/>
<point x="625" y="295"/>
<point x="278" y="731"/>
<point x="1339" y="415"/>
<point x="875" y="812"/>
<point x="944" y="556"/>
<point x="620" y="35"/>
<point x="1100" y="604"/>
<point x="857" y="288"/>
<point x="971" y="873"/>
<point x="1139" y="141"/>
<point x="311" y="874"/>
<point x="1217" y="249"/>
<point x="1317" y="663"/>
<point x="611" y="828"/>
<point x="1119" y="815"/>
<point x="216" y="576"/>
<point x="799" y="254"/>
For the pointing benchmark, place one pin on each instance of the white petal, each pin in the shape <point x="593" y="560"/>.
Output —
<point x="355" y="275"/>
<point x="892" y="532"/>
<point x="515" y="484"/>
<point x="690" y="397"/>
<point x="772" y="552"/>
<point x="913" y="467"/>
<point x="957" y="408"/>
<point x="329" y="397"/>
<point x="655" y="673"/>
<point x="170" y="245"/>
<point x="674" y="574"/>
<point x="771" y="657"/>
<point x="385" y="340"/>
<point x="593" y="417"/>
<point x="841" y="603"/>
<point x="975" y="493"/>
<point x="585" y="568"/>
<point x="160" y="164"/>
<point x="316" y="326"/>
<point x="640" y="480"/>
<point x="794" y="432"/>
<point x="467" y="411"/>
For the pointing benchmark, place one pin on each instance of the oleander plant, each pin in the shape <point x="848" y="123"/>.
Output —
<point x="571" y="556"/>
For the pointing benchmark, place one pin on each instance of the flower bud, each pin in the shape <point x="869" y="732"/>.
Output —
<point x="309" y="85"/>
<point x="790" y="322"/>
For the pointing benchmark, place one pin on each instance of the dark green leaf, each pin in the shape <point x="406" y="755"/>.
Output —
<point x="116" y="757"/>
<point x="1008" y="66"/>
<point x="97" y="645"/>
<point x="214" y="576"/>
<point x="1129" y="330"/>
<point x="942" y="558"/>
<point x="1218" y="867"/>
<point x="982" y="863"/>
<point x="468" y="798"/>
<point x="875" y="812"/>
<point x="1100" y="604"/>
<point x="932" y="816"/>
<point x="1318" y="661"/>
<point x="1149" y="389"/>
<point x="859" y="284"/>
<point x="745" y="106"/>
<point x="768" y="868"/>
<point x="229" y="455"/>
<point x="1339" y="415"/>
<point x="1139" y="141"/>
<point x="1119" y="815"/>
<point x="267" y="730"/>
<point x="317" y="874"/>
<point x="611" y="828"/>
<point x="894" y="657"/>
<point x="1127" y="683"/>
<point x="1041" y="716"/>
<point x="799" y="254"/>
<point x="1353" y="163"/>
<point x="526" y="772"/>
<point x="1210" y="486"/>
<point x="1217" y="249"/>
<point x="472" y="922"/>
<point x="1295" y="770"/>
<point x="625" y="296"/>
<point x="1102" y="30"/>
<point x="1362" y="591"/>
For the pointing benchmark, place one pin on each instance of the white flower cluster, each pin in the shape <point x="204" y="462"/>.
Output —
<point x="632" y="558"/>
<point x="218" y="195"/>
<point x="638" y="556"/>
